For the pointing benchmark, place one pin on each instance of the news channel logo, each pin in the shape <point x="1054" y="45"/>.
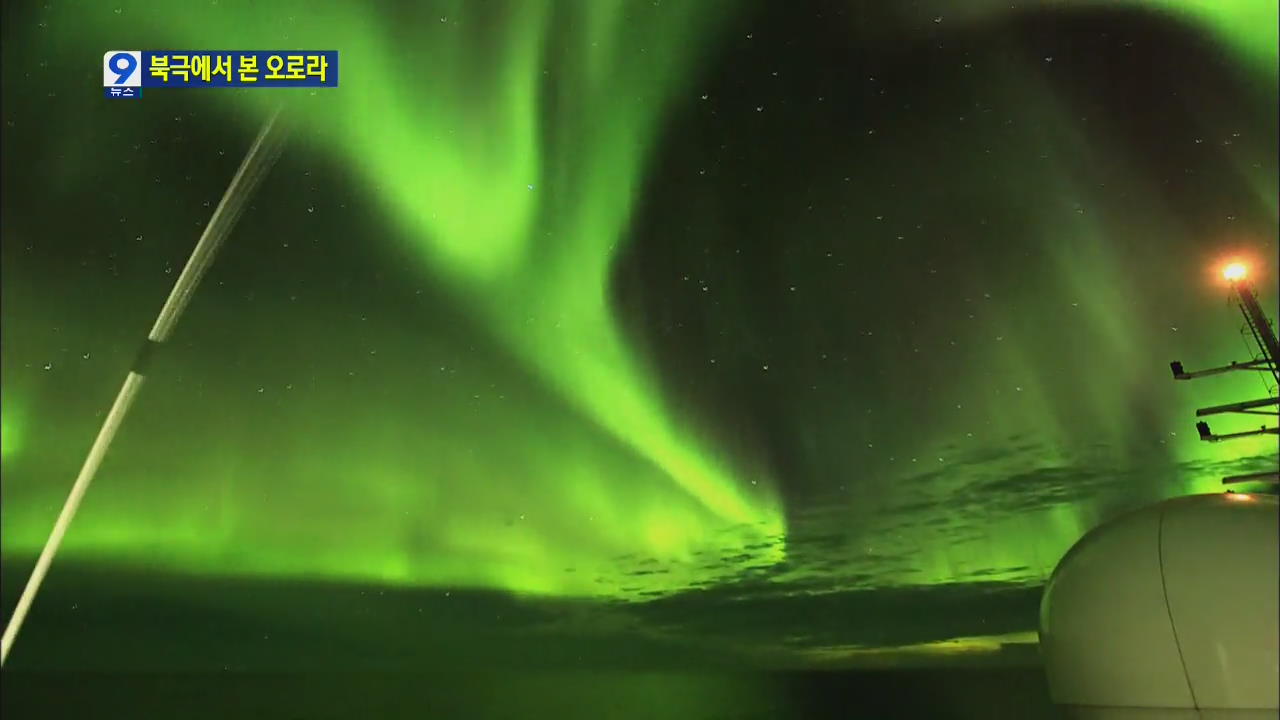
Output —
<point x="126" y="72"/>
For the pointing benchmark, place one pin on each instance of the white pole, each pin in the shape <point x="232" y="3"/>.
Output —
<point x="254" y="167"/>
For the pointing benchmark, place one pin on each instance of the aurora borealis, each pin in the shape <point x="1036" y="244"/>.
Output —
<point x="473" y="211"/>
<point x="793" y="338"/>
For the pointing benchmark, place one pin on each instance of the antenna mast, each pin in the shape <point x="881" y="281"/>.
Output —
<point x="1264" y="337"/>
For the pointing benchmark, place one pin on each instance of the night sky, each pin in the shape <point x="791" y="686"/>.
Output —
<point x="621" y="334"/>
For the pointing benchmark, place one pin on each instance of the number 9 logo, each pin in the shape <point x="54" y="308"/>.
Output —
<point x="120" y="68"/>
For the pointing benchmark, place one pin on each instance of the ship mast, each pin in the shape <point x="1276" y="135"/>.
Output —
<point x="1263" y="335"/>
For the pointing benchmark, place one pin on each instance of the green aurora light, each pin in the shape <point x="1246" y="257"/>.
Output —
<point x="518" y="199"/>
<point x="514" y="169"/>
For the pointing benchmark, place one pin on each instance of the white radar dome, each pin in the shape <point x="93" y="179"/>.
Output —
<point x="1169" y="612"/>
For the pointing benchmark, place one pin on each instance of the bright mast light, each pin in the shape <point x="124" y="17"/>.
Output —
<point x="1233" y="272"/>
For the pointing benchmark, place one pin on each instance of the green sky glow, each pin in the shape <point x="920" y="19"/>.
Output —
<point x="491" y="422"/>
<point x="516" y="196"/>
<point x="1247" y="27"/>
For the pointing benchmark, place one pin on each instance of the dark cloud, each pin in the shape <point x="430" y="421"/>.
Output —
<point x="885" y="617"/>
<point x="198" y="624"/>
